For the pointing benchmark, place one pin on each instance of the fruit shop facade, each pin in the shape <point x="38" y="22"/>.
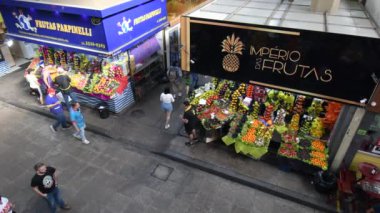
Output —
<point x="109" y="48"/>
<point x="295" y="94"/>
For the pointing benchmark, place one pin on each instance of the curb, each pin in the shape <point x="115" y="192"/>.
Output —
<point x="247" y="181"/>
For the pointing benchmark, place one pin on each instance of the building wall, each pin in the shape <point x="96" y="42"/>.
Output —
<point x="373" y="7"/>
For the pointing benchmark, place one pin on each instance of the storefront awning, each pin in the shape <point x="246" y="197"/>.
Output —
<point x="102" y="29"/>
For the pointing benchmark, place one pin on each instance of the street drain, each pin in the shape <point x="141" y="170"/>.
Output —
<point x="138" y="113"/>
<point x="162" y="172"/>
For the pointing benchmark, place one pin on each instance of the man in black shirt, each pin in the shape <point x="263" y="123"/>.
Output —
<point x="191" y="123"/>
<point x="62" y="80"/>
<point x="44" y="184"/>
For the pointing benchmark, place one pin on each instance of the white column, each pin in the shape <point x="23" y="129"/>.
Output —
<point x="330" y="6"/>
<point x="347" y="139"/>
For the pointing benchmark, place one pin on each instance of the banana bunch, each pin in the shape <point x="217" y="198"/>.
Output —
<point x="298" y="108"/>
<point x="235" y="100"/>
<point x="315" y="108"/>
<point x="242" y="88"/>
<point x="57" y="58"/>
<point x="51" y="56"/>
<point x="227" y="94"/>
<point x="76" y="62"/>
<point x="294" y="123"/>
<point x="305" y="128"/>
<point x="215" y="82"/>
<point x="256" y="110"/>
<point x="317" y="129"/>
<point x="63" y="58"/>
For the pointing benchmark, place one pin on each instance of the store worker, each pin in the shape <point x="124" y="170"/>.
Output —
<point x="34" y="84"/>
<point x="44" y="183"/>
<point x="78" y="121"/>
<point x="191" y="122"/>
<point x="63" y="83"/>
<point x="6" y="206"/>
<point x="53" y="103"/>
<point x="167" y="100"/>
<point x="175" y="79"/>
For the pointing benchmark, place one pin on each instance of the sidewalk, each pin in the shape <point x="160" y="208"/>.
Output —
<point x="142" y="126"/>
<point x="110" y="176"/>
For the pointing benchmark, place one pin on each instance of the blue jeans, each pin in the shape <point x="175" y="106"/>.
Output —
<point x="55" y="198"/>
<point x="66" y="98"/>
<point x="194" y="81"/>
<point x="61" y="120"/>
<point x="81" y="133"/>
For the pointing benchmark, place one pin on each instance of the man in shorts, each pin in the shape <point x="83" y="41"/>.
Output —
<point x="192" y="123"/>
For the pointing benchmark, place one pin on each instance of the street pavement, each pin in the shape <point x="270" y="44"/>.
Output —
<point x="113" y="176"/>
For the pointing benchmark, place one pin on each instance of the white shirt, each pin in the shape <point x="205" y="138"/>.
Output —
<point x="33" y="82"/>
<point x="5" y="204"/>
<point x="166" y="98"/>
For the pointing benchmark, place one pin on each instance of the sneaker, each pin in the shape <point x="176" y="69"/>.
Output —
<point x="167" y="126"/>
<point x="53" y="129"/>
<point x="86" y="141"/>
<point x="66" y="207"/>
<point x="77" y="136"/>
<point x="189" y="143"/>
<point x="66" y="127"/>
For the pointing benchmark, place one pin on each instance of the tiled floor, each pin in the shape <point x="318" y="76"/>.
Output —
<point x="350" y="18"/>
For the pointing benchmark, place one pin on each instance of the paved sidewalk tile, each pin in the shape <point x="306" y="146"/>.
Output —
<point x="106" y="176"/>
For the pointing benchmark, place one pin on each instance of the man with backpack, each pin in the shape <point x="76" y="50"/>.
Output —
<point x="175" y="79"/>
<point x="62" y="80"/>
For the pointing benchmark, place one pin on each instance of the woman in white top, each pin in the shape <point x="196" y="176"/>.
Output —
<point x="166" y="104"/>
<point x="34" y="84"/>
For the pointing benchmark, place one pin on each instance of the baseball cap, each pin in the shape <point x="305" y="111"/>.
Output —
<point x="51" y="90"/>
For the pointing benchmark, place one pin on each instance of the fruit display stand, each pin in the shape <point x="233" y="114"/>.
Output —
<point x="211" y="111"/>
<point x="259" y="119"/>
<point x="94" y="80"/>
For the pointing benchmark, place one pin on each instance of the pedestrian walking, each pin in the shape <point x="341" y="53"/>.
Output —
<point x="44" y="183"/>
<point x="34" y="84"/>
<point x="191" y="123"/>
<point x="63" y="82"/>
<point x="167" y="99"/>
<point x="53" y="103"/>
<point x="78" y="121"/>
<point x="175" y="79"/>
<point x="6" y="206"/>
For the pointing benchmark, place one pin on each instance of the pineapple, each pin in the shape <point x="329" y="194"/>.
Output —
<point x="233" y="46"/>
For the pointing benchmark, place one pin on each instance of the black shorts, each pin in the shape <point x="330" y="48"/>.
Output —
<point x="189" y="128"/>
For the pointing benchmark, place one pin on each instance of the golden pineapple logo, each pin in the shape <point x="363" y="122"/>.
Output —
<point x="233" y="46"/>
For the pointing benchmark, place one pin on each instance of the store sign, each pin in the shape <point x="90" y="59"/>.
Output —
<point x="130" y="26"/>
<point x="118" y="32"/>
<point x="54" y="27"/>
<point x="325" y="65"/>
